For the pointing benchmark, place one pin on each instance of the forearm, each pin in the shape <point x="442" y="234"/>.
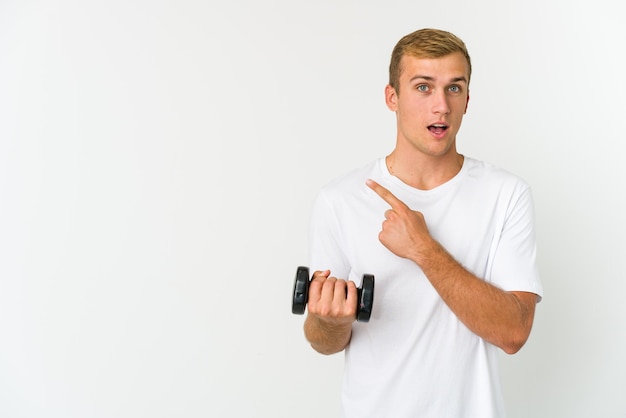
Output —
<point x="326" y="338"/>
<point x="500" y="317"/>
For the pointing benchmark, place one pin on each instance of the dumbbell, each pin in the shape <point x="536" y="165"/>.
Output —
<point x="365" y="294"/>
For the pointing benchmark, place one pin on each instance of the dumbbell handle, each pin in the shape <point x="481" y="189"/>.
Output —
<point x="301" y="294"/>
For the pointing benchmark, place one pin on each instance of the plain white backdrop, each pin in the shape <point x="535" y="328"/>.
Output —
<point x="157" y="164"/>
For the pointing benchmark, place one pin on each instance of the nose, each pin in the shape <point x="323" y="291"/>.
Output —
<point x="440" y="103"/>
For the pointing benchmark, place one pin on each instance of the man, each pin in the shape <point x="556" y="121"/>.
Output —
<point x="450" y="240"/>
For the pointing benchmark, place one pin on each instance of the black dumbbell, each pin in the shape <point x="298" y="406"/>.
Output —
<point x="301" y="294"/>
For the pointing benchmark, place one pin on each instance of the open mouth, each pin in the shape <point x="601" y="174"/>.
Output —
<point x="437" y="128"/>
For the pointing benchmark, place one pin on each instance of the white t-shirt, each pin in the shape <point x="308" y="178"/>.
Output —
<point x="414" y="358"/>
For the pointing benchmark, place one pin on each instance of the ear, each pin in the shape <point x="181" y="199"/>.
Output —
<point x="391" y="98"/>
<point x="466" y="103"/>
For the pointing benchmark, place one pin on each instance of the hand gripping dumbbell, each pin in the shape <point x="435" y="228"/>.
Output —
<point x="365" y="296"/>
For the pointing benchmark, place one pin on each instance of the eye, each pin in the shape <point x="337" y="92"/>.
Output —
<point x="455" y="89"/>
<point x="422" y="87"/>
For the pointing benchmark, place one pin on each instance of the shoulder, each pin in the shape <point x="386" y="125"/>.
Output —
<point x="352" y="180"/>
<point x="490" y="175"/>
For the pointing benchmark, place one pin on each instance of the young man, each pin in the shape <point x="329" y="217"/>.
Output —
<point x="450" y="241"/>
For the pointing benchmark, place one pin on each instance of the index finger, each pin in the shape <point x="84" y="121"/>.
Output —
<point x="385" y="194"/>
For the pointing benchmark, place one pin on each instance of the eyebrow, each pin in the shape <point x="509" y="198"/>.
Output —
<point x="429" y="78"/>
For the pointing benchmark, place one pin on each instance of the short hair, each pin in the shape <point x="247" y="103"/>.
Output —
<point x="425" y="43"/>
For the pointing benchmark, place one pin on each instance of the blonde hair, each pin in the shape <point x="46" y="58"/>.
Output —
<point x="425" y="43"/>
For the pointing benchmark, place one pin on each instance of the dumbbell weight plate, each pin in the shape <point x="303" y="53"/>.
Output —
<point x="300" y="291"/>
<point x="366" y="298"/>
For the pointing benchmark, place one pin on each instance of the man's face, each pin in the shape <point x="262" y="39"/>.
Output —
<point x="430" y="104"/>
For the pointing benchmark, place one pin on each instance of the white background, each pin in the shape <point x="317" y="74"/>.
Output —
<point x="157" y="164"/>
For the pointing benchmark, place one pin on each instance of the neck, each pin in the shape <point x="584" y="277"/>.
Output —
<point x="425" y="173"/>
